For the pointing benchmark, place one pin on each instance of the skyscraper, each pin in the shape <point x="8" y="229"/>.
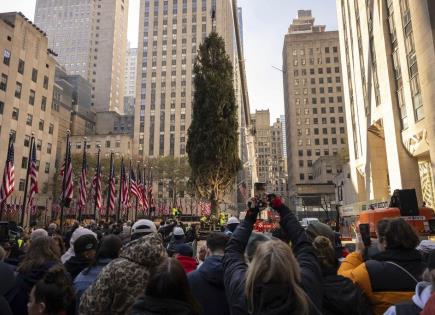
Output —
<point x="90" y="39"/>
<point x="130" y="81"/>
<point x="169" y="37"/>
<point x="388" y="59"/>
<point x="314" y="108"/>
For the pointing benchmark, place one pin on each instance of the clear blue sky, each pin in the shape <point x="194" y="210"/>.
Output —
<point x="265" y="22"/>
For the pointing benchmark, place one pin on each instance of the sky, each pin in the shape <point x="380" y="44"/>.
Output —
<point x="265" y="22"/>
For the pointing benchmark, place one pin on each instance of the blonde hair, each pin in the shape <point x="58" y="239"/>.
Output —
<point x="274" y="262"/>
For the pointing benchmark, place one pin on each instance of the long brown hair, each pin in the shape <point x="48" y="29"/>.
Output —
<point x="274" y="262"/>
<point x="325" y="252"/>
<point x="168" y="280"/>
<point x="39" y="252"/>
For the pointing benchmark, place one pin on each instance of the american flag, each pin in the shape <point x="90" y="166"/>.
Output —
<point x="67" y="193"/>
<point x="83" y="181"/>
<point x="112" y="190"/>
<point x="8" y="182"/>
<point x="140" y="188"/>
<point x="33" y="175"/>
<point x="134" y="189"/>
<point x="205" y="208"/>
<point x="96" y="184"/>
<point x="124" y="185"/>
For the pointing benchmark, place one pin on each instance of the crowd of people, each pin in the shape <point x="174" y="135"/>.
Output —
<point x="146" y="269"/>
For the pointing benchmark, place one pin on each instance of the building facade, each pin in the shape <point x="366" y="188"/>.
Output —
<point x="388" y="59"/>
<point x="90" y="39"/>
<point x="119" y="144"/>
<point x="269" y="152"/>
<point x="169" y="36"/>
<point x="27" y="72"/>
<point x="314" y="107"/>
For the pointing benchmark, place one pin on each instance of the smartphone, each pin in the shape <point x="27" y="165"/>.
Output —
<point x="260" y="195"/>
<point x="364" y="230"/>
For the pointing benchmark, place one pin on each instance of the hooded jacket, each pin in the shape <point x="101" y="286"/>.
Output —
<point x="147" y="305"/>
<point x="124" y="279"/>
<point x="207" y="284"/>
<point x="380" y="278"/>
<point x="272" y="298"/>
<point x="423" y="292"/>
<point x="189" y="263"/>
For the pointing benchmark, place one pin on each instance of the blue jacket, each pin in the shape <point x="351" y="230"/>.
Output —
<point x="235" y="269"/>
<point x="85" y="278"/>
<point x="207" y="284"/>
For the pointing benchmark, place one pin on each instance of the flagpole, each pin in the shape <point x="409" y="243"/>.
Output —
<point x="23" y="209"/>
<point x="65" y="169"/>
<point x="96" y="181"/>
<point x="3" y="202"/>
<point x="80" y="197"/>
<point x="109" y="191"/>
<point x="137" y="182"/>
<point x="121" y="183"/>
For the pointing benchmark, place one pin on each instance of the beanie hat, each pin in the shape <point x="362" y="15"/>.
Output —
<point x="143" y="226"/>
<point x="38" y="233"/>
<point x="315" y="229"/>
<point x="178" y="231"/>
<point x="184" y="250"/>
<point x="84" y="243"/>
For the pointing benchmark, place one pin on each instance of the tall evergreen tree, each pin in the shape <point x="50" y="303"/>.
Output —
<point x="212" y="146"/>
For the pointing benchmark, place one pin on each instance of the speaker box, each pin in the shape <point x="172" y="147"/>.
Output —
<point x="406" y="201"/>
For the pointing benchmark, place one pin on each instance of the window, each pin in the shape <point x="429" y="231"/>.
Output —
<point x="21" y="66"/>
<point x="29" y="120"/>
<point x="118" y="143"/>
<point x="24" y="162"/>
<point x="21" y="185"/>
<point x="32" y="97"/>
<point x="43" y="103"/>
<point x="302" y="176"/>
<point x="301" y="163"/>
<point x="38" y="145"/>
<point x="342" y="130"/>
<point x="26" y="141"/>
<point x="6" y="57"/>
<point x="18" y="88"/>
<point x="41" y="124"/>
<point x="4" y="82"/>
<point x="51" y="129"/>
<point x="47" y="168"/>
<point x="34" y="75"/>
<point x="108" y="144"/>
<point x="301" y="153"/>
<point x="49" y="148"/>
<point x="15" y="113"/>
<point x="45" y="84"/>
<point x="2" y="107"/>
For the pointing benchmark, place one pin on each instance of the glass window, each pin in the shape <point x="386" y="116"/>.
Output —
<point x="4" y="82"/>
<point x="32" y="97"/>
<point x="29" y="120"/>
<point x="34" y="75"/>
<point x="6" y="57"/>
<point x="15" y="113"/>
<point x="18" y="88"/>
<point x="41" y="124"/>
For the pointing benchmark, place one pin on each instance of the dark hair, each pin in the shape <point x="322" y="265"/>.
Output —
<point x="254" y="240"/>
<point x="381" y="228"/>
<point x="325" y="252"/>
<point x="400" y="235"/>
<point x="59" y="240"/>
<point x="55" y="291"/>
<point x="40" y="251"/>
<point x="110" y="246"/>
<point x="168" y="280"/>
<point x="217" y="241"/>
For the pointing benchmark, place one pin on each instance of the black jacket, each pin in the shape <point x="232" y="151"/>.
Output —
<point x="146" y="305"/>
<point x="235" y="269"/>
<point x="207" y="284"/>
<point x="76" y="264"/>
<point x="342" y="297"/>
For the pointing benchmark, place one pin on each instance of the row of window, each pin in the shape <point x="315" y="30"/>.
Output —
<point x="324" y="121"/>
<point x="312" y="71"/>
<point x="310" y="51"/>
<point x="304" y="81"/>
<point x="311" y="61"/>
<point x="321" y="90"/>
<point x="317" y="141"/>
<point x="21" y="65"/>
<point x="315" y="111"/>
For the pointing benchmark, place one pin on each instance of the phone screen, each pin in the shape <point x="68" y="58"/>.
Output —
<point x="364" y="230"/>
<point x="260" y="194"/>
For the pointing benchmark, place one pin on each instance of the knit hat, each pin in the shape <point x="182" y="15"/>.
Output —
<point x="143" y="226"/>
<point x="37" y="234"/>
<point x="184" y="250"/>
<point x="85" y="243"/>
<point x="178" y="231"/>
<point x="315" y="229"/>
